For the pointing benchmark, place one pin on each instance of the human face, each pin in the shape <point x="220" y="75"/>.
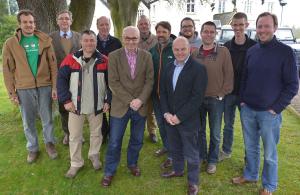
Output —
<point x="162" y="35"/>
<point x="239" y="26"/>
<point x="131" y="39"/>
<point x="265" y="29"/>
<point x="27" y="25"/>
<point x="208" y="34"/>
<point x="103" y="27"/>
<point x="187" y="29"/>
<point x="64" y="22"/>
<point x="181" y="50"/>
<point x="144" y="26"/>
<point x="88" y="43"/>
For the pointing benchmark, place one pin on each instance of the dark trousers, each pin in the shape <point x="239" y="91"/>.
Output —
<point x="184" y="144"/>
<point x="64" y="118"/>
<point x="105" y="127"/>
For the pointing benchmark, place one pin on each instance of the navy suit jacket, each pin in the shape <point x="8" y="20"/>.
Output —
<point x="186" y="99"/>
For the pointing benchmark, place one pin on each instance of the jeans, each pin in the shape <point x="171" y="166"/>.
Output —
<point x="184" y="145"/>
<point x="214" y="108"/>
<point x="118" y="127"/>
<point x="230" y="104"/>
<point x="262" y="124"/>
<point x="33" y="102"/>
<point x="160" y="120"/>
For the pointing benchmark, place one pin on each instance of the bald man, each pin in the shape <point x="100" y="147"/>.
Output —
<point x="181" y="95"/>
<point x="130" y="80"/>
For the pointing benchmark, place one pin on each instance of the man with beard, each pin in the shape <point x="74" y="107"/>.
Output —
<point x="187" y="29"/>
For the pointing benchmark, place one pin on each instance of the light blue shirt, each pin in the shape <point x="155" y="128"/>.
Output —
<point x="69" y="34"/>
<point x="177" y="71"/>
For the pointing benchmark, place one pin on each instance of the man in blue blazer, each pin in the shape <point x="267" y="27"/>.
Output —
<point x="182" y="92"/>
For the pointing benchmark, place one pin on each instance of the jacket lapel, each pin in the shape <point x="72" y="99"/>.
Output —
<point x="125" y="62"/>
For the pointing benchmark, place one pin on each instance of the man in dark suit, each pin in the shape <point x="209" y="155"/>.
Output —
<point x="130" y="78"/>
<point x="181" y="94"/>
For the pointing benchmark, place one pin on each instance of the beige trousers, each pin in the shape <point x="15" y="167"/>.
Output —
<point x="75" y="143"/>
<point x="151" y="121"/>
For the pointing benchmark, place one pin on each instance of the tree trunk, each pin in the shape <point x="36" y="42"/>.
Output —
<point x="123" y="13"/>
<point x="83" y="13"/>
<point x="45" y="12"/>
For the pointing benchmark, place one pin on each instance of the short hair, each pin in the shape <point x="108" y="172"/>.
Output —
<point x="25" y="12"/>
<point x="65" y="11"/>
<point x="264" y="14"/>
<point x="88" y="32"/>
<point x="208" y="23"/>
<point x="240" y="15"/>
<point x="131" y="28"/>
<point x="187" y="18"/>
<point x="98" y="19"/>
<point x="164" y="24"/>
<point x="144" y="17"/>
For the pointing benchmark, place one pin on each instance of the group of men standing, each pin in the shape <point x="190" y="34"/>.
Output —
<point x="182" y="80"/>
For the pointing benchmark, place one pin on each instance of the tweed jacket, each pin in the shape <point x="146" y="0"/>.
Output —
<point x="58" y="48"/>
<point x="124" y="89"/>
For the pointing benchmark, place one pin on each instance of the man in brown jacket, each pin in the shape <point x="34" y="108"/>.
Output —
<point x="29" y="70"/>
<point x="130" y="78"/>
<point x="219" y="69"/>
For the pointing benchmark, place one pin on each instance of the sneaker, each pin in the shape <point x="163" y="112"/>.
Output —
<point x="168" y="163"/>
<point x="32" y="156"/>
<point x="211" y="169"/>
<point x="95" y="161"/>
<point x="72" y="172"/>
<point x="223" y="155"/>
<point x="50" y="148"/>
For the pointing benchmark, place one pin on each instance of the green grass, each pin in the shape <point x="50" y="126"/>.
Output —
<point x="47" y="176"/>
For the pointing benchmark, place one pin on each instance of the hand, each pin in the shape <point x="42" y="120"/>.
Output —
<point x="106" y="107"/>
<point x="15" y="100"/>
<point x="54" y="94"/>
<point x="135" y="104"/>
<point x="70" y="107"/>
<point x="272" y="112"/>
<point x="175" y="119"/>
<point x="168" y="118"/>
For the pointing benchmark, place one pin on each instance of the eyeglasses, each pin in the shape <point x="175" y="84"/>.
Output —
<point x="188" y="26"/>
<point x="134" y="39"/>
<point x="67" y="19"/>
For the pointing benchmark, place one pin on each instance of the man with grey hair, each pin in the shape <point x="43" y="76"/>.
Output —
<point x="130" y="79"/>
<point x="64" y="41"/>
<point x="147" y="41"/>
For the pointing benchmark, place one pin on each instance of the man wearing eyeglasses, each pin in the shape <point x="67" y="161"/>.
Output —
<point x="64" y="42"/>
<point x="218" y="64"/>
<point x="188" y="30"/>
<point x="130" y="79"/>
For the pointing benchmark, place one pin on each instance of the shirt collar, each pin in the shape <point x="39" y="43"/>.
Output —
<point x="127" y="52"/>
<point x="178" y="64"/>
<point x="69" y="34"/>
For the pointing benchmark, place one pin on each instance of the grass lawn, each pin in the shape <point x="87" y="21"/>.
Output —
<point x="47" y="176"/>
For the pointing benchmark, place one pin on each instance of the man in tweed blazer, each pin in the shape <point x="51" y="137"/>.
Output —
<point x="130" y="78"/>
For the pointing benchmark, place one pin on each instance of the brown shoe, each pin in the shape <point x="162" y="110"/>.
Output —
<point x="72" y="172"/>
<point x="160" y="152"/>
<point x="95" y="161"/>
<point x="135" y="171"/>
<point x="241" y="180"/>
<point x="32" y="156"/>
<point x="193" y="189"/>
<point x="264" y="192"/>
<point x="66" y="140"/>
<point x="50" y="148"/>
<point x="171" y="174"/>
<point x="168" y="163"/>
<point x="106" y="181"/>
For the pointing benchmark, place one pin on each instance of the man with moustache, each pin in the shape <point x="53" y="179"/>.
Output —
<point x="162" y="54"/>
<point x="188" y="30"/>
<point x="271" y="65"/>
<point x="147" y="41"/>
<point x="29" y="71"/>
<point x="181" y="95"/>
<point x="64" y="41"/>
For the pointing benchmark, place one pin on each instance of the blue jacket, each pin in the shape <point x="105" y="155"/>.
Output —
<point x="270" y="78"/>
<point x="69" y="81"/>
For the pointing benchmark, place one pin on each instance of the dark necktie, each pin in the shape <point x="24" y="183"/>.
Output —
<point x="65" y="35"/>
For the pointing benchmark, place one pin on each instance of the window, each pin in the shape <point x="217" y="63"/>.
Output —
<point x="190" y="6"/>
<point x="270" y="7"/>
<point x="140" y="12"/>
<point x="248" y="6"/>
<point x="221" y="8"/>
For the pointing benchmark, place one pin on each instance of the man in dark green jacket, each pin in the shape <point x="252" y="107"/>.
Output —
<point x="162" y="54"/>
